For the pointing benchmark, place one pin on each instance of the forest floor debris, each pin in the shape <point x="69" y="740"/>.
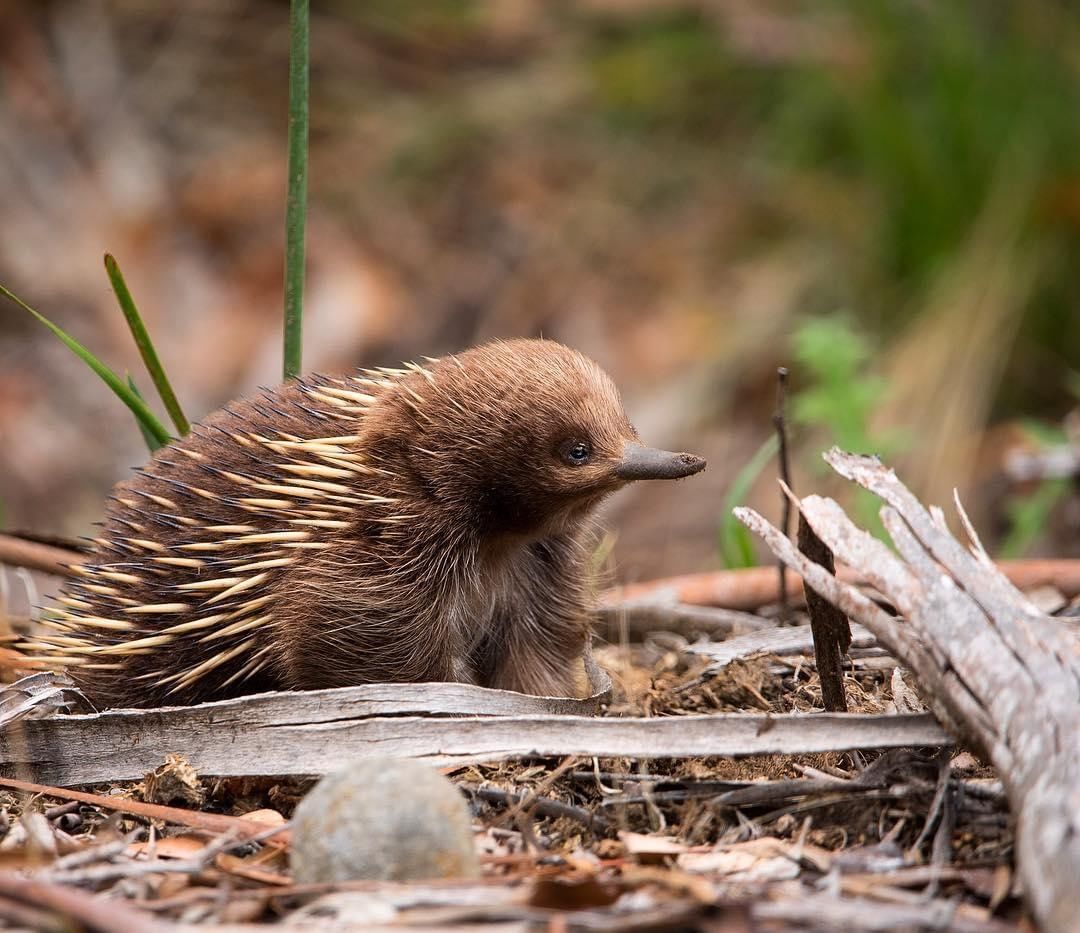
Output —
<point x="862" y="838"/>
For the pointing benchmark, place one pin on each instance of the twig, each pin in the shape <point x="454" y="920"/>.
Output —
<point x="199" y="862"/>
<point x="941" y="851"/>
<point x="526" y="802"/>
<point x="54" y="812"/>
<point x="96" y="853"/>
<point x="756" y="794"/>
<point x="92" y="914"/>
<point x="938" y="803"/>
<point x="542" y="807"/>
<point x="18" y="552"/>
<point x="195" y="819"/>
<point x="785" y="477"/>
<point x="639" y="620"/>
<point x="832" y="633"/>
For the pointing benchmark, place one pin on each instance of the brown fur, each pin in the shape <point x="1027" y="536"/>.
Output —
<point x="423" y="525"/>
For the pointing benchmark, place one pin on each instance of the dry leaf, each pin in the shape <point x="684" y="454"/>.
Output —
<point x="176" y="780"/>
<point x="169" y="847"/>
<point x="245" y="868"/>
<point x="266" y="816"/>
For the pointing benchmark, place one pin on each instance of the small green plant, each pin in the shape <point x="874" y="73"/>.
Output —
<point x="153" y="431"/>
<point x="840" y="396"/>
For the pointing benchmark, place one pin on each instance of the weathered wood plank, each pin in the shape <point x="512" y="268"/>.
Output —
<point x="302" y="734"/>
<point x="49" y="690"/>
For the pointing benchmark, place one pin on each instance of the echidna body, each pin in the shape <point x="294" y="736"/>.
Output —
<point x="417" y="524"/>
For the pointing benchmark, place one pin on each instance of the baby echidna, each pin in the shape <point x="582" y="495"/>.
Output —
<point x="415" y="524"/>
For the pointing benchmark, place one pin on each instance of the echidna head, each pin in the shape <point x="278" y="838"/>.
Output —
<point x="522" y="436"/>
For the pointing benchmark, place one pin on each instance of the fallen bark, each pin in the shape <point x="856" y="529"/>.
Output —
<point x="363" y="701"/>
<point x="312" y="733"/>
<point x="1002" y="674"/>
<point x="783" y="642"/>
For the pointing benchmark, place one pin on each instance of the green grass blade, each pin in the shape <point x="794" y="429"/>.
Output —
<point x="151" y="441"/>
<point x="138" y="407"/>
<point x="296" y="204"/>
<point x="146" y="346"/>
<point x="736" y="546"/>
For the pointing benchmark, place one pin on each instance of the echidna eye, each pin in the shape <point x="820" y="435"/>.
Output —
<point x="577" y="453"/>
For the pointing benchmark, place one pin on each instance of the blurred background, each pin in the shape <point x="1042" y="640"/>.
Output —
<point x="882" y="196"/>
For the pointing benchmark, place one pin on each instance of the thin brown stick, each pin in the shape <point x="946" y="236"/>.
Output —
<point x="542" y="807"/>
<point x="34" y="555"/>
<point x="195" y="819"/>
<point x="198" y="863"/>
<point x="780" y="424"/>
<point x="90" y="912"/>
<point x="525" y="803"/>
<point x="832" y="633"/>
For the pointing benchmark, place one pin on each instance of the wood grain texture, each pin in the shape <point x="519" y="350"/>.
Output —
<point x="1005" y="676"/>
<point x="314" y="733"/>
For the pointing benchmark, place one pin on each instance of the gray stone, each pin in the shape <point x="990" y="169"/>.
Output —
<point x="388" y="819"/>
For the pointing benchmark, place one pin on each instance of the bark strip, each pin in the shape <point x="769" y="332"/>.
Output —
<point x="998" y="672"/>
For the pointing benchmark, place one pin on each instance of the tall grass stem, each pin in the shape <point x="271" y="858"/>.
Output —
<point x="296" y="203"/>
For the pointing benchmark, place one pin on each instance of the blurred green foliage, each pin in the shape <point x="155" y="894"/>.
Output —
<point x="918" y="115"/>
<point x="840" y="393"/>
<point x="838" y="397"/>
<point x="662" y="72"/>
<point x="1028" y="511"/>
<point x="917" y="111"/>
<point x="736" y="543"/>
<point x="1028" y="515"/>
<point x="940" y="97"/>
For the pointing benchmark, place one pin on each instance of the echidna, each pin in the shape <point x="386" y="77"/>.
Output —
<point x="415" y="524"/>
